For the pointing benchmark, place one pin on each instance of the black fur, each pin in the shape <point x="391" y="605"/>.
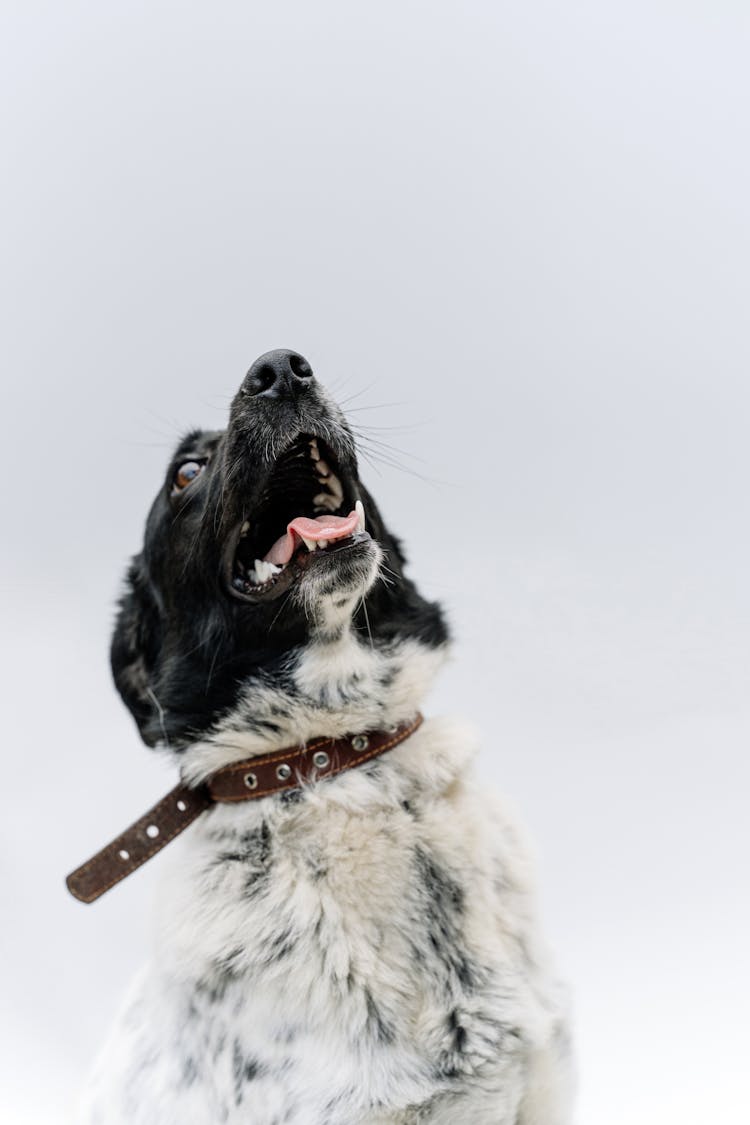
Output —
<point x="183" y="646"/>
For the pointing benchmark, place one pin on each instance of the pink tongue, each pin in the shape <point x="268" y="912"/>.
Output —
<point x="322" y="527"/>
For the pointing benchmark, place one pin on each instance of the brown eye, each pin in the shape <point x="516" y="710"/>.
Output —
<point x="186" y="474"/>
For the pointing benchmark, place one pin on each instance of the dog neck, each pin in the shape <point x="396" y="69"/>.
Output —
<point x="335" y="685"/>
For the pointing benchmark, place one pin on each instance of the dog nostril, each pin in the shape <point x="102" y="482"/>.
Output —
<point x="263" y="378"/>
<point x="300" y="367"/>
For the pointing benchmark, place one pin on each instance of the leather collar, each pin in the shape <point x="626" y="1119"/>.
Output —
<point x="250" y="780"/>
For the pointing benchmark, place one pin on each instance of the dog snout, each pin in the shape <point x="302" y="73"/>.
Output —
<point x="280" y="374"/>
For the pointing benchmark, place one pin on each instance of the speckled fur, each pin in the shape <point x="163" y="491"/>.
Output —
<point x="361" y="951"/>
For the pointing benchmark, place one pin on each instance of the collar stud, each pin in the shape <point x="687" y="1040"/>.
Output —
<point x="276" y="772"/>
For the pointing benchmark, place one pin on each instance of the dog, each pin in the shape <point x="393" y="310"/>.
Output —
<point x="358" y="949"/>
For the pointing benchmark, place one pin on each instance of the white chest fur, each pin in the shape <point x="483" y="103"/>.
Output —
<point x="340" y="958"/>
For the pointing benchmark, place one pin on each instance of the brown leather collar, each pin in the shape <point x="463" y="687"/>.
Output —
<point x="250" y="780"/>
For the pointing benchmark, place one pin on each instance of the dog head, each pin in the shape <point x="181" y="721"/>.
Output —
<point x="269" y="603"/>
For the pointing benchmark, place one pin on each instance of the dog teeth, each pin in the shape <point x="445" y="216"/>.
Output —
<point x="315" y="544"/>
<point x="314" y="451"/>
<point x="326" y="502"/>
<point x="322" y="469"/>
<point x="333" y="497"/>
<point x="264" y="571"/>
<point x="244" y="529"/>
<point x="359" y="508"/>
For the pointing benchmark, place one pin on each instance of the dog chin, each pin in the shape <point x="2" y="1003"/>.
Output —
<point x="332" y="585"/>
<point x="348" y="570"/>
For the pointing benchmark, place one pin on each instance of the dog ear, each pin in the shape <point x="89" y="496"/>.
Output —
<point x="135" y="650"/>
<point x="396" y="609"/>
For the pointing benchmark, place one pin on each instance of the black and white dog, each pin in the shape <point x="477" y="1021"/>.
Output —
<point x="360" y="951"/>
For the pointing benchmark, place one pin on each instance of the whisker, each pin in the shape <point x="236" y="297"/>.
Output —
<point x="367" y="620"/>
<point x="370" y="462"/>
<point x="378" y="406"/>
<point x="368" y="439"/>
<point x="372" y="455"/>
<point x="149" y="444"/>
<point x="358" y="394"/>
<point x="406" y="427"/>
<point x="281" y="607"/>
<point x="175" y="429"/>
<point x="396" y="576"/>
<point x="211" y="669"/>
<point x="187" y="501"/>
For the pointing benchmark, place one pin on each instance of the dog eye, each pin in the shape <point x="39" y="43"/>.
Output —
<point x="186" y="474"/>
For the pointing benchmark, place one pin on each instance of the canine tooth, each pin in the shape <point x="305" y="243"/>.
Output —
<point x="322" y="469"/>
<point x="245" y="528"/>
<point x="314" y="451"/>
<point x="359" y="508"/>
<point x="309" y="543"/>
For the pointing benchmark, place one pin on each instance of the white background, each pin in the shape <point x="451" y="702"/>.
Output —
<point x="518" y="234"/>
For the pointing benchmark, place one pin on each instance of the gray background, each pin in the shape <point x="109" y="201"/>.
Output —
<point x="517" y="236"/>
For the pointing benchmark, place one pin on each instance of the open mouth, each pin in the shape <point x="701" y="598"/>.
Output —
<point x="308" y="507"/>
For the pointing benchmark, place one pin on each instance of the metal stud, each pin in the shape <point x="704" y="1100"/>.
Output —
<point x="360" y="742"/>
<point x="321" y="759"/>
<point x="251" y="781"/>
<point x="284" y="771"/>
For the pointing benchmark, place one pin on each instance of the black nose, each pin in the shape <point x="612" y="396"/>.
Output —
<point x="279" y="374"/>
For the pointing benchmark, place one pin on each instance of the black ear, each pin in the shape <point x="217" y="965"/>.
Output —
<point x="135" y="651"/>
<point x="396" y="609"/>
